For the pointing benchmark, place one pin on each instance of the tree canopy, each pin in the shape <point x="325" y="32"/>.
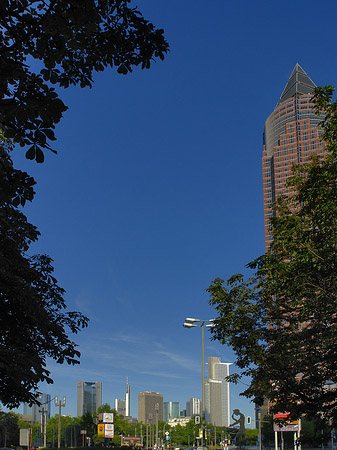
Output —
<point x="281" y="321"/>
<point x="65" y="41"/>
<point x="33" y="321"/>
<point x="44" y="46"/>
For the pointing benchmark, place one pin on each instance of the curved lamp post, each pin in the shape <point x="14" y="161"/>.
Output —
<point x="201" y="323"/>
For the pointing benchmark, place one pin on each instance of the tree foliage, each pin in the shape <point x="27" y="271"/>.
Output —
<point x="45" y="45"/>
<point x="282" y="322"/>
<point x="33" y="321"/>
<point x="69" y="40"/>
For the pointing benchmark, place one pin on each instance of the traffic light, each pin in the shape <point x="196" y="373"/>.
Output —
<point x="298" y="442"/>
<point x="249" y="420"/>
<point x="197" y="419"/>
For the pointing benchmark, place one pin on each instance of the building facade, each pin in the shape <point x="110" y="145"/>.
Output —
<point x="291" y="135"/>
<point x="33" y="413"/>
<point x="217" y="404"/>
<point x="122" y="406"/>
<point x="170" y="410"/>
<point x="150" y="407"/>
<point x="193" y="407"/>
<point x="89" y="397"/>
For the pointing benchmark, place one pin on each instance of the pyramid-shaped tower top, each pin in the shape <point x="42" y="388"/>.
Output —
<point x="299" y="83"/>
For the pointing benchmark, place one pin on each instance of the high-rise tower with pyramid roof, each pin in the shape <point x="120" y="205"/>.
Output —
<point x="291" y="135"/>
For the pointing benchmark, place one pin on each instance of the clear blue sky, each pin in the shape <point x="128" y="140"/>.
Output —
<point x="157" y="187"/>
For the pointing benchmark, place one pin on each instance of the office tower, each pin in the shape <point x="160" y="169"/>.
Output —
<point x="193" y="407"/>
<point x="149" y="405"/>
<point x="35" y="411"/>
<point x="170" y="410"/>
<point x="123" y="406"/>
<point x="217" y="393"/>
<point x="120" y="406"/>
<point x="291" y="135"/>
<point x="89" y="397"/>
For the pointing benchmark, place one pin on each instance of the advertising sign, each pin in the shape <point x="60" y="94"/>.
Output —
<point x="287" y="427"/>
<point x="109" y="430"/>
<point x="24" y="437"/>
<point x="106" y="417"/>
<point x="100" y="430"/>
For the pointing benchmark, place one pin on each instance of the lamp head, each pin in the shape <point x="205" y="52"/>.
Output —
<point x="189" y="325"/>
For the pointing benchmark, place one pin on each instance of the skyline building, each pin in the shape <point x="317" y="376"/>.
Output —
<point x="170" y="411"/>
<point x="122" y="406"/>
<point x="89" y="397"/>
<point x="291" y="135"/>
<point x="127" y="398"/>
<point x="149" y="405"/>
<point x="193" y="407"/>
<point x="35" y="411"/>
<point x="217" y="400"/>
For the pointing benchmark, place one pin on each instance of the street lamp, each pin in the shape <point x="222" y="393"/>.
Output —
<point x="201" y="323"/>
<point x="59" y="404"/>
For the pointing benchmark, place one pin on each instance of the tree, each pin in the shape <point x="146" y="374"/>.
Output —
<point x="66" y="42"/>
<point x="9" y="430"/>
<point x="33" y="321"/>
<point x="282" y="322"/>
<point x="69" y="40"/>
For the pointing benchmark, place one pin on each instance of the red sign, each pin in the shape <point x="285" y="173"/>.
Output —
<point x="281" y="415"/>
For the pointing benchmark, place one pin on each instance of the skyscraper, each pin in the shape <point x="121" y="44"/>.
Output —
<point x="123" y="406"/>
<point x="127" y="399"/>
<point x="193" y="407"/>
<point x="35" y="411"/>
<point x="149" y="405"/>
<point x="291" y="135"/>
<point x="170" y="410"/>
<point x="217" y="393"/>
<point x="89" y="397"/>
<point x="120" y="406"/>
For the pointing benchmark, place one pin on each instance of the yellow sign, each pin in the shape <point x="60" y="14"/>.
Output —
<point x="100" y="430"/>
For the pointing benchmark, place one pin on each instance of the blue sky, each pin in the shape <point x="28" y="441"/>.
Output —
<point x="157" y="187"/>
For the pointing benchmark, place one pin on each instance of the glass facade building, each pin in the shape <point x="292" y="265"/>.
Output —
<point x="35" y="411"/>
<point x="171" y="410"/>
<point x="291" y="135"/>
<point x="89" y="397"/>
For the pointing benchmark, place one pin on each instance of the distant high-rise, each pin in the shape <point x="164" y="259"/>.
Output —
<point x="149" y="405"/>
<point x="123" y="406"/>
<point x="89" y="397"/>
<point x="127" y="399"/>
<point x="291" y="135"/>
<point x="170" y="410"/>
<point x="217" y="393"/>
<point x="120" y="406"/>
<point x="35" y="411"/>
<point x="193" y="407"/>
